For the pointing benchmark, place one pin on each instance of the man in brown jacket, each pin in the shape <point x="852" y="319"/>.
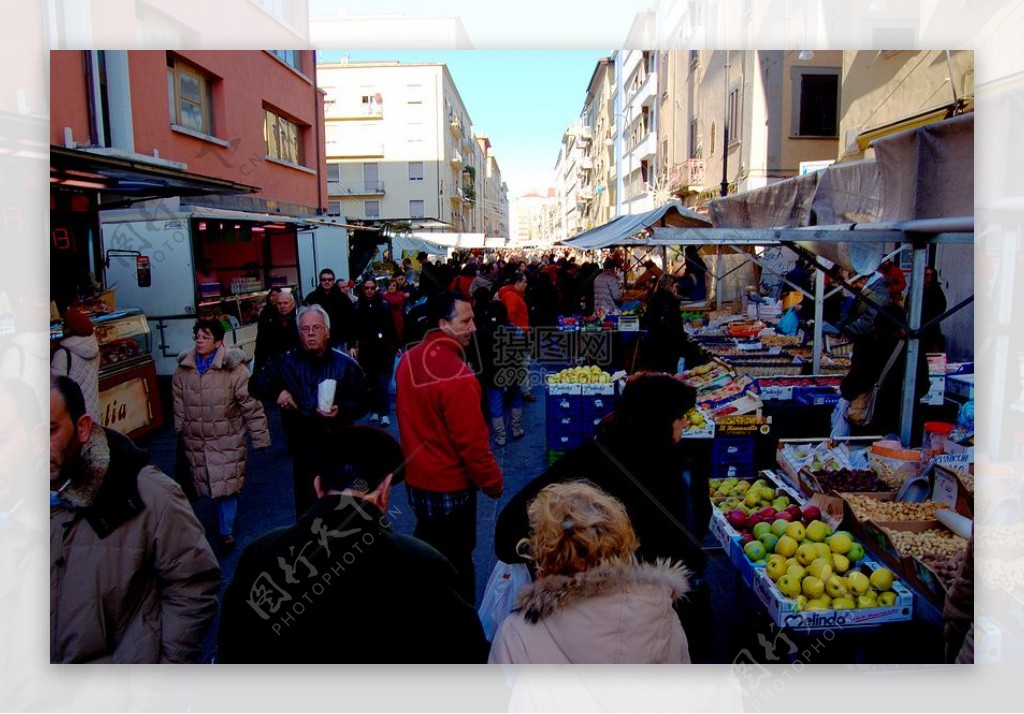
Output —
<point x="132" y="577"/>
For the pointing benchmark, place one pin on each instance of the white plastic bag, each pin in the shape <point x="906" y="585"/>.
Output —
<point x="500" y="594"/>
<point x="840" y="427"/>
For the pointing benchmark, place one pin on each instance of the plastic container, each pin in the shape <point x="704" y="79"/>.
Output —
<point x="935" y="435"/>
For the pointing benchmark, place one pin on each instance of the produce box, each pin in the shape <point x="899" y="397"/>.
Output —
<point x="962" y="385"/>
<point x="743" y="425"/>
<point x="847" y="451"/>
<point x="882" y="543"/>
<point x="784" y="611"/>
<point x="855" y="480"/>
<point x="602" y="388"/>
<point x="926" y="581"/>
<point x="705" y="432"/>
<point x="851" y="522"/>
<point x="564" y="389"/>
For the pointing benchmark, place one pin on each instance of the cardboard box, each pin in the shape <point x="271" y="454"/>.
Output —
<point x="564" y="389"/>
<point x="792" y="469"/>
<point x="602" y="388"/>
<point x="708" y="432"/>
<point x="784" y="612"/>
<point x="850" y="521"/>
<point x="881" y="544"/>
<point x="743" y="425"/>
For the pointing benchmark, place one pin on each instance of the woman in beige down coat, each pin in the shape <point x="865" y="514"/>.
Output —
<point x="212" y="411"/>
<point x="592" y="602"/>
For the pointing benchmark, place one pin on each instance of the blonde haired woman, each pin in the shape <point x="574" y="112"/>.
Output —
<point x="592" y="602"/>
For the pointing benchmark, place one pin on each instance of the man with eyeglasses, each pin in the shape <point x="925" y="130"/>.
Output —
<point x="293" y="382"/>
<point x="376" y="345"/>
<point x="338" y="305"/>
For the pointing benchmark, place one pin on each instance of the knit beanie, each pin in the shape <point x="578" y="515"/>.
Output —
<point x="76" y="323"/>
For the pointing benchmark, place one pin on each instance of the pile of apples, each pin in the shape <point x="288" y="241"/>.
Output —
<point x="580" y="375"/>
<point x="747" y="503"/>
<point x="818" y="568"/>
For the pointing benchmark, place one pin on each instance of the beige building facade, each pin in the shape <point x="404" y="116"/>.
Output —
<point x="400" y="145"/>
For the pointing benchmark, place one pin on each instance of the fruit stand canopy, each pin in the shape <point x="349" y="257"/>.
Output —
<point x="631" y="230"/>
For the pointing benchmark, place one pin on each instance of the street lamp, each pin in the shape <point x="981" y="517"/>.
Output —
<point x="725" y="133"/>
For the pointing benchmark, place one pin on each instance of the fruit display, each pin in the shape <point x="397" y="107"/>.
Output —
<point x="696" y="419"/>
<point x="846" y="480"/>
<point x="894" y="465"/>
<point x="744" y="328"/>
<point x="866" y="507"/>
<point x="709" y="375"/>
<point x="730" y="390"/>
<point x="824" y="572"/>
<point x="934" y="541"/>
<point x="580" y="375"/>
<point x="770" y="340"/>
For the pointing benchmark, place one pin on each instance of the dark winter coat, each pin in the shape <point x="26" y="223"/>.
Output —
<point x="273" y="336"/>
<point x="868" y="359"/>
<point x="212" y="412"/>
<point x="340" y="309"/>
<point x="646" y="477"/>
<point x="375" y="334"/>
<point x="340" y="586"/>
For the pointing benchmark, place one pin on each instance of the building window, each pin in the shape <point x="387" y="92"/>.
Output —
<point x="414" y="93"/>
<point x="416" y="209"/>
<point x="371" y="209"/>
<point x="189" y="97"/>
<point x="292" y="58"/>
<point x="281" y="138"/>
<point x="734" y="125"/>
<point x="334" y="208"/>
<point x="815" y="102"/>
<point x="415" y="170"/>
<point x="694" y="56"/>
<point x="694" y="147"/>
<point x="334" y="172"/>
<point x="372" y="102"/>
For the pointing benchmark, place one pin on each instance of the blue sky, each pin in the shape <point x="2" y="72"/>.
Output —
<point x="522" y="100"/>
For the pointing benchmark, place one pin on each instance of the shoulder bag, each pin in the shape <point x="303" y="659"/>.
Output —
<point x="862" y="409"/>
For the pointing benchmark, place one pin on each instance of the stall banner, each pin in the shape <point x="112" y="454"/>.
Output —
<point x="126" y="407"/>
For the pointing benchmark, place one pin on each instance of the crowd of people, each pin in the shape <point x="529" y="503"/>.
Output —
<point x="611" y="533"/>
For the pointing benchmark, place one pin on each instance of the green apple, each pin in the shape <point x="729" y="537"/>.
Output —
<point x="840" y="563"/>
<point x="780" y="503"/>
<point x="779" y="526"/>
<point x="856" y="552"/>
<point x="751" y="500"/>
<point x="868" y="599"/>
<point x="835" y="587"/>
<point x="754" y="550"/>
<point x="797" y="571"/>
<point x="812" y="587"/>
<point x="796" y="531"/>
<point x="823" y="550"/>
<point x="786" y="546"/>
<point x="770" y="541"/>
<point x="858" y="582"/>
<point x="820" y="568"/>
<point x="887" y="599"/>
<point x="775" y="568"/>
<point x="840" y="542"/>
<point x="761" y="528"/>
<point x="806" y="554"/>
<point x="843" y="603"/>
<point x="788" y="586"/>
<point x="882" y="579"/>
<point x="817" y="531"/>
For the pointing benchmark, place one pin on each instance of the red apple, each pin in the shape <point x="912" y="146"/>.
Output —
<point x="737" y="519"/>
<point x="767" y="514"/>
<point x="794" y="510"/>
<point x="746" y="538"/>
<point x="812" y="513"/>
<point x="785" y="515"/>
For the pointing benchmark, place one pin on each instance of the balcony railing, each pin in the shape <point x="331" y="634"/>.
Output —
<point x="686" y="174"/>
<point x="355" y="188"/>
<point x="456" y="159"/>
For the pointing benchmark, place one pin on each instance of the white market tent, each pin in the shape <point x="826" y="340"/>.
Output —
<point x="918" y="191"/>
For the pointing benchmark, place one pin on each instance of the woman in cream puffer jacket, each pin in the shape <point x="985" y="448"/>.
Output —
<point x="212" y="411"/>
<point x="592" y="602"/>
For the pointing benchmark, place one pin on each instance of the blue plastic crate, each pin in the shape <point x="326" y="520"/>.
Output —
<point x="815" y="396"/>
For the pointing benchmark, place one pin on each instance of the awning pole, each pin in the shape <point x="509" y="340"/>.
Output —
<point x="913" y="343"/>
<point x="819" y="311"/>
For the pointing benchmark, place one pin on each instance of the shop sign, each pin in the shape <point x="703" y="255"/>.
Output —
<point x="126" y="407"/>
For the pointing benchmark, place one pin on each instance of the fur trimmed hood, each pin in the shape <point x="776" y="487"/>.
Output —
<point x="98" y="470"/>
<point x="227" y="357"/>
<point x="551" y="593"/>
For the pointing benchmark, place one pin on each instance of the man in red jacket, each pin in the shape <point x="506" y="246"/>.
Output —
<point x="444" y="436"/>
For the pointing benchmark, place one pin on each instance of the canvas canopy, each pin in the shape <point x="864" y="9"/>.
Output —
<point x="629" y="230"/>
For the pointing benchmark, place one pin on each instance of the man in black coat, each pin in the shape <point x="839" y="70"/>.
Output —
<point x="339" y="308"/>
<point x="340" y="586"/>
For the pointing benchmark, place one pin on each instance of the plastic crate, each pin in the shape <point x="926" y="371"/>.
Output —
<point x="815" y="396"/>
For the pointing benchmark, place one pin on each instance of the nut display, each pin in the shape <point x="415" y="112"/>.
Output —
<point x="849" y="480"/>
<point x="778" y="340"/>
<point x="865" y="507"/>
<point x="933" y="541"/>
<point x="945" y="567"/>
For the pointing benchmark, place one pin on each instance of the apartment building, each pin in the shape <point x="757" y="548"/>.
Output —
<point x="400" y="145"/>
<point x="636" y="121"/>
<point x="535" y="218"/>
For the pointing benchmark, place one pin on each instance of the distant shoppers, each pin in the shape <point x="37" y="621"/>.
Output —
<point x="340" y="585"/>
<point x="78" y="357"/>
<point x="665" y="340"/>
<point x="132" y="578"/>
<point x="396" y="300"/>
<point x="293" y="382"/>
<point x="502" y="347"/>
<point x="607" y="290"/>
<point x="212" y="412"/>
<point x="592" y="602"/>
<point x="692" y="286"/>
<point x="861" y="318"/>
<point x="933" y="304"/>
<point x="328" y="295"/>
<point x="376" y="345"/>
<point x="513" y="296"/>
<point x="445" y="438"/>
<point x="276" y="330"/>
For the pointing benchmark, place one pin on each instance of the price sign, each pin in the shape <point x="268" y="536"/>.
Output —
<point x="945" y="488"/>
